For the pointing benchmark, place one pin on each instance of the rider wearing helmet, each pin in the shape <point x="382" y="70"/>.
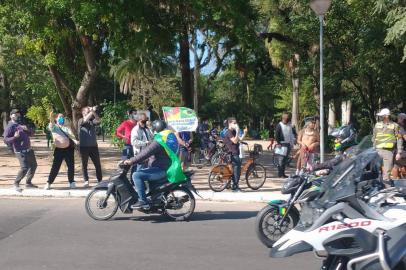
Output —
<point x="344" y="138"/>
<point x="160" y="156"/>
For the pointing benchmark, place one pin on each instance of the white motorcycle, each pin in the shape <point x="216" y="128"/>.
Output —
<point x="343" y="206"/>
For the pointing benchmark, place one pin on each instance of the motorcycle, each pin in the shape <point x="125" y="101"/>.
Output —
<point x="280" y="216"/>
<point x="344" y="203"/>
<point x="173" y="200"/>
<point x="360" y="249"/>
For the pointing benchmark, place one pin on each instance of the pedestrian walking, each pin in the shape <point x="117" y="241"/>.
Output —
<point x="141" y="136"/>
<point x="386" y="139"/>
<point x="17" y="136"/>
<point x="64" y="149"/>
<point x="285" y="136"/>
<point x="88" y="143"/>
<point x="124" y="132"/>
<point x="232" y="142"/>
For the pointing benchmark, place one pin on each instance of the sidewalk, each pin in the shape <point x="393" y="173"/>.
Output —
<point x="110" y="157"/>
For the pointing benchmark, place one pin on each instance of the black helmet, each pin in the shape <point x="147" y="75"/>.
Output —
<point x="158" y="125"/>
<point x="345" y="137"/>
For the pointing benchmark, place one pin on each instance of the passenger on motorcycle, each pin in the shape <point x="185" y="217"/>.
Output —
<point x="344" y="138"/>
<point x="158" y="162"/>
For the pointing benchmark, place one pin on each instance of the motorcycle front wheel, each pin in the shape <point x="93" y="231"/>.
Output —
<point x="180" y="204"/>
<point x="266" y="224"/>
<point x="98" y="207"/>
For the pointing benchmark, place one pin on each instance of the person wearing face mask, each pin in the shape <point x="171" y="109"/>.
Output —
<point x="18" y="136"/>
<point x="124" y="132"/>
<point x="64" y="149"/>
<point x="232" y="142"/>
<point x="141" y="136"/>
<point x="88" y="142"/>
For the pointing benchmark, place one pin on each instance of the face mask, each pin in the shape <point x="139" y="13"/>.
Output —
<point x="61" y="121"/>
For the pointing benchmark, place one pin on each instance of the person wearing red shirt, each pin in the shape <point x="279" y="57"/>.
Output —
<point x="124" y="132"/>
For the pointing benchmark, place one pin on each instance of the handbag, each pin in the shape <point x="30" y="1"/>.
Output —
<point x="282" y="151"/>
<point x="71" y="142"/>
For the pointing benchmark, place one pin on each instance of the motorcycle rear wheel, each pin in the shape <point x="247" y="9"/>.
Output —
<point x="180" y="204"/>
<point x="265" y="224"/>
<point x="95" y="207"/>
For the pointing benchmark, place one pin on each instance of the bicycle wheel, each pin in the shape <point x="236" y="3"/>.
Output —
<point x="255" y="176"/>
<point x="219" y="177"/>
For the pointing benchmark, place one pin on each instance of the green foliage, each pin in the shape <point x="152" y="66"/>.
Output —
<point x="264" y="134"/>
<point x="39" y="113"/>
<point x="111" y="117"/>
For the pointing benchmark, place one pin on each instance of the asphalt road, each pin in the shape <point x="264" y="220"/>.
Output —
<point x="58" y="234"/>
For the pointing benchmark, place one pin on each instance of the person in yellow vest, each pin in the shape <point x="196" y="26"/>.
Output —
<point x="386" y="139"/>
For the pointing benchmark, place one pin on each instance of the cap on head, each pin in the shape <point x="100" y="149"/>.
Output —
<point x="384" y="112"/>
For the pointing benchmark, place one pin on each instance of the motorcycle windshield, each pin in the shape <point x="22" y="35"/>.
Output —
<point x="363" y="145"/>
<point x="342" y="182"/>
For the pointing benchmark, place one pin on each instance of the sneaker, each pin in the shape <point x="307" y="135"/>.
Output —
<point x="237" y="189"/>
<point x="18" y="188"/>
<point x="47" y="186"/>
<point x="140" y="204"/>
<point x="86" y="184"/>
<point x="30" y="185"/>
<point x="72" y="185"/>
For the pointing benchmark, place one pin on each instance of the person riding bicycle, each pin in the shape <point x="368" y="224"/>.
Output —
<point x="162" y="162"/>
<point x="344" y="139"/>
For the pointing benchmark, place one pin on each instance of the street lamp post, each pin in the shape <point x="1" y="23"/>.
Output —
<point x="320" y="7"/>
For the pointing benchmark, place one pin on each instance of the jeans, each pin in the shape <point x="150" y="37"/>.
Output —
<point x="128" y="152"/>
<point x="282" y="160"/>
<point x="148" y="174"/>
<point x="93" y="153"/>
<point x="60" y="154"/>
<point x="236" y="162"/>
<point x="28" y="165"/>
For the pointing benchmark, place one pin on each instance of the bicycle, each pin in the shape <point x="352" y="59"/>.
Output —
<point x="220" y="176"/>
<point x="209" y="157"/>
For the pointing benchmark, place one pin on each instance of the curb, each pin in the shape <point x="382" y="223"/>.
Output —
<point x="202" y="195"/>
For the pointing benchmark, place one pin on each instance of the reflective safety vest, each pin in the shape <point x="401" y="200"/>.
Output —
<point x="168" y="141"/>
<point x="385" y="135"/>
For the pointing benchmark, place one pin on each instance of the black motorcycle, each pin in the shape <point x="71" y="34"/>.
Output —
<point x="174" y="200"/>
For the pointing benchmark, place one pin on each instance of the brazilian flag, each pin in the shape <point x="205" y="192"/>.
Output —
<point x="168" y="141"/>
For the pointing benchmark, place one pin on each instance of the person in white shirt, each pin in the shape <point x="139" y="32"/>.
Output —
<point x="141" y="136"/>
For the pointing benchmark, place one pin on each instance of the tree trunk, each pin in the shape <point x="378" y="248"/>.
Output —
<point x="331" y="116"/>
<point x="184" y="60"/>
<point x="294" y="69"/>
<point x="346" y="112"/>
<point x="72" y="103"/>
<point x="4" y="100"/>
<point x="196" y="74"/>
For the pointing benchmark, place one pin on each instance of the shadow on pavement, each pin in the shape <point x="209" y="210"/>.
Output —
<point x="197" y="216"/>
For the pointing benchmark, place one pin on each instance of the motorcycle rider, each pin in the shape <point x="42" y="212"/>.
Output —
<point x="345" y="138"/>
<point x="162" y="161"/>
